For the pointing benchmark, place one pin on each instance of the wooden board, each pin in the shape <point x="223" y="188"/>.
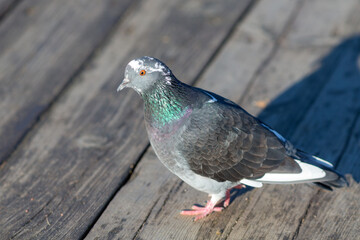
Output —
<point x="6" y="6"/>
<point x="314" y="144"/>
<point x="333" y="215"/>
<point x="43" y="45"/>
<point x="299" y="107"/>
<point x="146" y="208"/>
<point x="82" y="151"/>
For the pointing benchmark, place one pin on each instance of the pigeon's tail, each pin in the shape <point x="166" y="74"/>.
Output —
<point x="331" y="179"/>
<point x="302" y="167"/>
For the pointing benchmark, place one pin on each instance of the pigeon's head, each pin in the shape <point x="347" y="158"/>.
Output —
<point x="144" y="73"/>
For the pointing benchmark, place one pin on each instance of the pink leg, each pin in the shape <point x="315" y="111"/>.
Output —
<point x="227" y="198"/>
<point x="227" y="194"/>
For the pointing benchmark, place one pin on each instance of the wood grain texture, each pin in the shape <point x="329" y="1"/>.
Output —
<point x="6" y="7"/>
<point x="251" y="45"/>
<point x="297" y="77"/>
<point x="42" y="46"/>
<point x="333" y="215"/>
<point x="144" y="195"/>
<point x="307" y="107"/>
<point x="84" y="148"/>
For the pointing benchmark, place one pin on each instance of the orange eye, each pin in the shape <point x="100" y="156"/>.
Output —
<point x="142" y="72"/>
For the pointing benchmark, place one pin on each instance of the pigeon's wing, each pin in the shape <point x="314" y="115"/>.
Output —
<point x="223" y="142"/>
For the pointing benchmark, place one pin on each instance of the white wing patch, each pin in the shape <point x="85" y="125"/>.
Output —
<point x="308" y="174"/>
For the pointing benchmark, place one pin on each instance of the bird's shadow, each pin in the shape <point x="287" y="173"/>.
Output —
<point x="235" y="192"/>
<point x="320" y="113"/>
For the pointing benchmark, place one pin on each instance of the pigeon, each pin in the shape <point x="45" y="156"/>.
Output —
<point x="213" y="144"/>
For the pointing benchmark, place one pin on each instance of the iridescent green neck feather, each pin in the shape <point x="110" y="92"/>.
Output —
<point x="164" y="105"/>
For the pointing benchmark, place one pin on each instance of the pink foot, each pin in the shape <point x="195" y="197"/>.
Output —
<point x="202" y="211"/>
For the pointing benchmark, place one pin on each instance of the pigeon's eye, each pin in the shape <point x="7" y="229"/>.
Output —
<point x="142" y="72"/>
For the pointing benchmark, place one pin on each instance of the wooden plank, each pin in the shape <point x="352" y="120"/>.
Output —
<point x="304" y="45"/>
<point x="143" y="196"/>
<point x="251" y="45"/>
<point x="42" y="46"/>
<point x="82" y="151"/>
<point x="268" y="213"/>
<point x="6" y="6"/>
<point x="301" y="203"/>
<point x="335" y="215"/>
<point x="331" y="120"/>
<point x="148" y="206"/>
<point x="319" y="108"/>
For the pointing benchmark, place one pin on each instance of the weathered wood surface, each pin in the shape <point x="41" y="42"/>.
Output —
<point x="43" y="44"/>
<point x="77" y="156"/>
<point x="302" y="67"/>
<point x="6" y="6"/>
<point x="85" y="169"/>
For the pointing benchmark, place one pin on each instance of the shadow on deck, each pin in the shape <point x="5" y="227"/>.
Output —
<point x="322" y="110"/>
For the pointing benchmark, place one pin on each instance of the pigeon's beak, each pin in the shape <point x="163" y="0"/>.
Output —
<point x="123" y="84"/>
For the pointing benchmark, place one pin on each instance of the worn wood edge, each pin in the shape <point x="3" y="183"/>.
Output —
<point x="6" y="6"/>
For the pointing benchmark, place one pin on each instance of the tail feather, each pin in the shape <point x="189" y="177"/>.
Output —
<point x="313" y="170"/>
<point x="333" y="178"/>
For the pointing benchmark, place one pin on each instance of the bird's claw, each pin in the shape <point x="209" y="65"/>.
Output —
<point x="201" y="212"/>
